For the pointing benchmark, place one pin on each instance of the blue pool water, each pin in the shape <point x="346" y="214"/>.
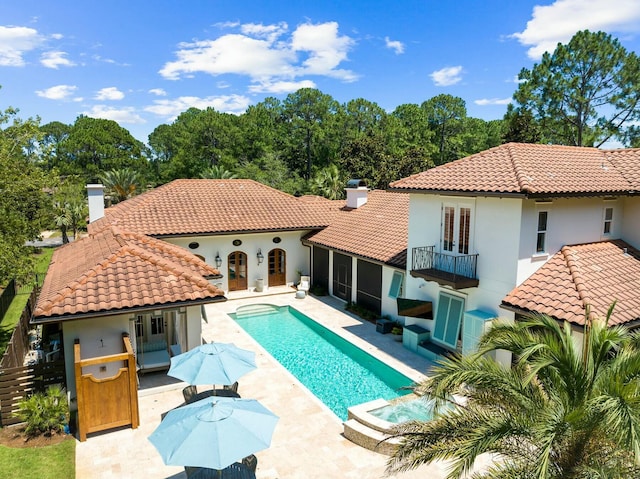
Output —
<point x="419" y="409"/>
<point x="334" y="370"/>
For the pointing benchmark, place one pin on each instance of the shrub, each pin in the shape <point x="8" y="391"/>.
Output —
<point x="361" y="311"/>
<point x="44" y="413"/>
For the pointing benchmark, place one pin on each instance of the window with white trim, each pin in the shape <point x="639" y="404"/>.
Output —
<point x="607" y="221"/>
<point x="541" y="238"/>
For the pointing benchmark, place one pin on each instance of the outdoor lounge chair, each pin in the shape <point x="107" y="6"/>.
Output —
<point x="305" y="283"/>
<point x="189" y="393"/>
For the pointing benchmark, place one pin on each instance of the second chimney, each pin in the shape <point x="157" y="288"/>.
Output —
<point x="95" y="195"/>
<point x="357" y="193"/>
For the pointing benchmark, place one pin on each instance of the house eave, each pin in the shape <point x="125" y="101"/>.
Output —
<point x="236" y="232"/>
<point x="114" y="312"/>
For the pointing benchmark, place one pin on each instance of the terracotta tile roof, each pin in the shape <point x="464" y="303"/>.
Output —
<point x="115" y="270"/>
<point x="595" y="274"/>
<point x="530" y="169"/>
<point x="189" y="207"/>
<point x="377" y="230"/>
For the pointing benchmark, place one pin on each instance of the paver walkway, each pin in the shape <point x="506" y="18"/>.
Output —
<point x="308" y="441"/>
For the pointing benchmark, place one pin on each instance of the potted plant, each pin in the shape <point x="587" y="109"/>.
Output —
<point x="396" y="331"/>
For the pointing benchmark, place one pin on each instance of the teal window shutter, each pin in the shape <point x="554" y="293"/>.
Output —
<point x="441" y="317"/>
<point x="396" y="284"/>
<point x="448" y="320"/>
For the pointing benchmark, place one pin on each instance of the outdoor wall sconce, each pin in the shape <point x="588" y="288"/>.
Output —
<point x="260" y="256"/>
<point x="218" y="260"/>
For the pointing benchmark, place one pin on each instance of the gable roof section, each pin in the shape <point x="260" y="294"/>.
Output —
<point x="378" y="230"/>
<point x="593" y="274"/>
<point x="200" y="207"/>
<point x="113" y="270"/>
<point x="524" y="169"/>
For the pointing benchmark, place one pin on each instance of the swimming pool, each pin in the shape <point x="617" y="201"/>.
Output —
<point x="334" y="370"/>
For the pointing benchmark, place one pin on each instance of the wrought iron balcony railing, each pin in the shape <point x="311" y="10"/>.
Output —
<point x="459" y="271"/>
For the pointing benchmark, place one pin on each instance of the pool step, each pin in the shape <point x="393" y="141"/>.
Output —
<point x="369" y="438"/>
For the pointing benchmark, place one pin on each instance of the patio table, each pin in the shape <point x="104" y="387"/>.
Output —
<point x="216" y="392"/>
<point x="237" y="470"/>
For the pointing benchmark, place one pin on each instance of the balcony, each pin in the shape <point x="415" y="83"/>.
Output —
<point x="457" y="271"/>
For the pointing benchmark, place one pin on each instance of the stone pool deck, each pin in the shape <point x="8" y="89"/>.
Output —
<point x="308" y="441"/>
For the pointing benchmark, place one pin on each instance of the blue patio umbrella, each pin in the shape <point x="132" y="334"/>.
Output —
<point x="214" y="432"/>
<point x="212" y="363"/>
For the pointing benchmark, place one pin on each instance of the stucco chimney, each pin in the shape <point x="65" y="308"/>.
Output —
<point x="95" y="195"/>
<point x="357" y="193"/>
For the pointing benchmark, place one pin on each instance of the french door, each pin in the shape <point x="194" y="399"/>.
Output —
<point x="456" y="229"/>
<point x="277" y="267"/>
<point x="237" y="275"/>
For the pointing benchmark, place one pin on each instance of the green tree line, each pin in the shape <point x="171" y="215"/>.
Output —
<point x="585" y="93"/>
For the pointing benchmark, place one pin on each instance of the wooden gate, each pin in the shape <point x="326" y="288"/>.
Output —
<point x="109" y="402"/>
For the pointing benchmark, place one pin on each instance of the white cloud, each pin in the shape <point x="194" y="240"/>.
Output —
<point x="281" y="86"/>
<point x="15" y="42"/>
<point x="447" y="76"/>
<point x="120" y="115"/>
<point x="170" y="109"/>
<point x="493" y="101"/>
<point x="558" y="22"/>
<point x="55" y="59"/>
<point x="158" y="92"/>
<point x="109" y="93"/>
<point x="269" y="32"/>
<point x="395" y="45"/>
<point x="264" y="54"/>
<point x="58" y="92"/>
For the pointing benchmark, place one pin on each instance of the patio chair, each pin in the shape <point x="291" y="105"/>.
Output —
<point x="251" y="462"/>
<point x="231" y="387"/>
<point x="189" y="393"/>
<point x="305" y="284"/>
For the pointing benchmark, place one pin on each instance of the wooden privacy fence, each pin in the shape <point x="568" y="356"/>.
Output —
<point x="18" y="345"/>
<point x="108" y="402"/>
<point x="21" y="382"/>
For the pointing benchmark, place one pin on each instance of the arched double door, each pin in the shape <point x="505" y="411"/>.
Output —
<point x="237" y="271"/>
<point x="277" y="262"/>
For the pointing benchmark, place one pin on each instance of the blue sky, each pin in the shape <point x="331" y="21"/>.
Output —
<point x="142" y="62"/>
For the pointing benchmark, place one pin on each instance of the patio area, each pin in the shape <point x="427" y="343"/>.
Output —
<point x="308" y="441"/>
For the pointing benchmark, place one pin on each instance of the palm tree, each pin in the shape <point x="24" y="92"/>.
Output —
<point x="329" y="183"/>
<point x="217" y="172"/>
<point x="561" y="411"/>
<point x="62" y="220"/>
<point x="121" y="184"/>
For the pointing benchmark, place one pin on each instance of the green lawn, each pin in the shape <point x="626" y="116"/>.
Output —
<point x="52" y="462"/>
<point x="20" y="301"/>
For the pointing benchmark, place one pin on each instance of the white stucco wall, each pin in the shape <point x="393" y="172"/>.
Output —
<point x="98" y="337"/>
<point x="297" y="255"/>
<point x="103" y="336"/>
<point x="630" y="224"/>
<point x="569" y="221"/>
<point x="494" y="237"/>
